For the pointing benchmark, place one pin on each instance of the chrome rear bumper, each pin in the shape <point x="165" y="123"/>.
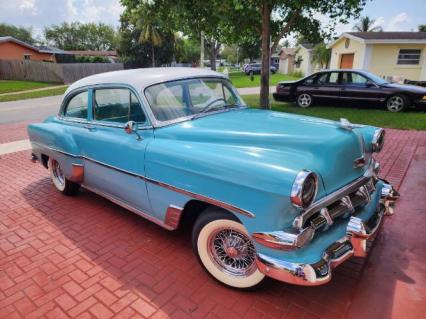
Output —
<point x="354" y="243"/>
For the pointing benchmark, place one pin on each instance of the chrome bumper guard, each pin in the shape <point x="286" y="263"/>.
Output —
<point x="353" y="244"/>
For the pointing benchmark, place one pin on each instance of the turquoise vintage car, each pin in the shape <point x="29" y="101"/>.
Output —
<point x="267" y="194"/>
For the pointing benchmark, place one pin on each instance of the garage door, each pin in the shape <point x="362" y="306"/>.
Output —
<point x="347" y="61"/>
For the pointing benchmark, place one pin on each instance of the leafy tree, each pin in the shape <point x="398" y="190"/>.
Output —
<point x="187" y="50"/>
<point x="79" y="36"/>
<point x="135" y="53"/>
<point x="422" y="28"/>
<point x="321" y="55"/>
<point x="277" y="19"/>
<point x="250" y="49"/>
<point x="149" y="34"/>
<point x="365" y="24"/>
<point x="19" y="33"/>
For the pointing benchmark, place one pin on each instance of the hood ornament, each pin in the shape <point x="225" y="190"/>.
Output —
<point x="345" y="124"/>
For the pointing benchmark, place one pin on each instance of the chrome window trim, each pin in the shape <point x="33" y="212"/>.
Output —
<point x="146" y="109"/>
<point x="204" y="198"/>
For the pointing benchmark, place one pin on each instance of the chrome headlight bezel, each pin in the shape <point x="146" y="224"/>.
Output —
<point x="378" y="140"/>
<point x="304" y="179"/>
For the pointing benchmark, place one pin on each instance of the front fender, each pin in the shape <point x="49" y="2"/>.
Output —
<point x="238" y="176"/>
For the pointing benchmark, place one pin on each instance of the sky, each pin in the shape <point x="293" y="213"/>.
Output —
<point x="392" y="15"/>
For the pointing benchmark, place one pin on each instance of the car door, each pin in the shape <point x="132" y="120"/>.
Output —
<point x="113" y="159"/>
<point x="327" y="86"/>
<point x="357" y="87"/>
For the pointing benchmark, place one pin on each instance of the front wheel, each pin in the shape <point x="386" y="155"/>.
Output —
<point x="225" y="249"/>
<point x="61" y="183"/>
<point x="304" y="100"/>
<point x="396" y="103"/>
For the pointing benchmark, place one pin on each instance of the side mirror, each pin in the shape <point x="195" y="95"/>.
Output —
<point x="132" y="127"/>
<point x="371" y="84"/>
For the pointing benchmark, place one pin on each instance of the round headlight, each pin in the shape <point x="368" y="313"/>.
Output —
<point x="304" y="189"/>
<point x="378" y="140"/>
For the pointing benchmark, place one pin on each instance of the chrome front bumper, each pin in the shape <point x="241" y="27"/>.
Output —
<point x="354" y="243"/>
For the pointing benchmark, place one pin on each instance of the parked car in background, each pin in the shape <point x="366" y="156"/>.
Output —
<point x="256" y="68"/>
<point x="350" y="85"/>
<point x="266" y="193"/>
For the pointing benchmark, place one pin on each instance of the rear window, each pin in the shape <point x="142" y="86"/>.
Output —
<point x="77" y="106"/>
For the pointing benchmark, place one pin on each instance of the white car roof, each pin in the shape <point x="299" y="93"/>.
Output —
<point x="141" y="78"/>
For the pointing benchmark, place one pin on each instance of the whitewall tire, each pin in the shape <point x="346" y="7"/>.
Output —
<point x="225" y="250"/>
<point x="59" y="180"/>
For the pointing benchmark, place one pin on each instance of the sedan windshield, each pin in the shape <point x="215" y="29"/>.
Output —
<point x="187" y="98"/>
<point x="376" y="79"/>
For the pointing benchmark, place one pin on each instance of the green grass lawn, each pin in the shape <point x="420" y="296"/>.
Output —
<point x="8" y="86"/>
<point x="31" y="95"/>
<point x="240" y="80"/>
<point x="411" y="119"/>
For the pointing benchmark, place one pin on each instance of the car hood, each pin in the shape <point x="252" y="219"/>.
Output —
<point x="406" y="87"/>
<point x="277" y="140"/>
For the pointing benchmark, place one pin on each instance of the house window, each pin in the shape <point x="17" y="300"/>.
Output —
<point x="27" y="56"/>
<point x="409" y="56"/>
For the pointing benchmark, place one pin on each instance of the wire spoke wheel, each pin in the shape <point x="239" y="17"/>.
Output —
<point x="57" y="173"/>
<point x="232" y="252"/>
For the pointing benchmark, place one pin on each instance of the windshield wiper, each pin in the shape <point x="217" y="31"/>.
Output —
<point x="208" y="108"/>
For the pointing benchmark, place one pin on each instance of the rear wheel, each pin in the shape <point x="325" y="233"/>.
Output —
<point x="225" y="249"/>
<point x="61" y="183"/>
<point x="396" y="103"/>
<point x="304" y="100"/>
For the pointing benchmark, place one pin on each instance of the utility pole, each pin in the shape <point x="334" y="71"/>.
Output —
<point x="202" y="50"/>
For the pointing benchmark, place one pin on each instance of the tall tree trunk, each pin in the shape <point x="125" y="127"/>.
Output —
<point x="266" y="56"/>
<point x="213" y="55"/>
<point x="202" y="50"/>
<point x="153" y="55"/>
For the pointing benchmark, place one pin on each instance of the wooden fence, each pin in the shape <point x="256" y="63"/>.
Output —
<point x="52" y="72"/>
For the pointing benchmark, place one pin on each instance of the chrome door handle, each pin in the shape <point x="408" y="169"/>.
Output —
<point x="90" y="127"/>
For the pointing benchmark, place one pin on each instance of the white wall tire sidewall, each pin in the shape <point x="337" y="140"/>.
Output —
<point x="202" y="242"/>
<point x="60" y="187"/>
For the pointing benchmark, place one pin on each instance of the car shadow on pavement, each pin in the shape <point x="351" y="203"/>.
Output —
<point x="99" y="246"/>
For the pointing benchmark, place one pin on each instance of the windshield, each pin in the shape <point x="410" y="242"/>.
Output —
<point x="186" y="98"/>
<point x="376" y="79"/>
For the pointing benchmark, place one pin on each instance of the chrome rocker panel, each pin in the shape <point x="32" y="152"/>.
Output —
<point x="354" y="243"/>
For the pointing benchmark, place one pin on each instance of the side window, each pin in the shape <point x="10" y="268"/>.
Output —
<point x="358" y="79"/>
<point x="77" y="106"/>
<point x="334" y="78"/>
<point x="117" y="105"/>
<point x="310" y="80"/>
<point x="322" y="78"/>
<point x="346" y="78"/>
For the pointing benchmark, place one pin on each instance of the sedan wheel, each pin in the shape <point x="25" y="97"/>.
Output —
<point x="226" y="251"/>
<point x="304" y="100"/>
<point x="396" y="103"/>
<point x="61" y="183"/>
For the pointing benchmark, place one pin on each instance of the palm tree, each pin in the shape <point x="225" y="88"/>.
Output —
<point x="367" y="25"/>
<point x="149" y="33"/>
<point x="321" y="55"/>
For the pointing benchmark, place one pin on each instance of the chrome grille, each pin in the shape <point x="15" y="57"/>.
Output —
<point x="341" y="208"/>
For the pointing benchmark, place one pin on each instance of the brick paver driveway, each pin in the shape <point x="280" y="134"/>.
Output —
<point x="85" y="257"/>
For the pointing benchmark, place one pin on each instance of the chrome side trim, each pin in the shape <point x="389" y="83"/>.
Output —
<point x="173" y="215"/>
<point x="200" y="197"/>
<point x="128" y="207"/>
<point x="285" y="240"/>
